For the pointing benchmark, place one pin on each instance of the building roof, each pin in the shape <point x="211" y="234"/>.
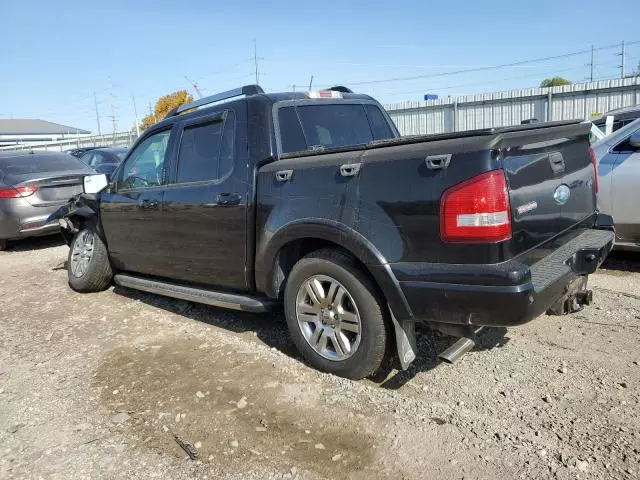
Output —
<point x="26" y="126"/>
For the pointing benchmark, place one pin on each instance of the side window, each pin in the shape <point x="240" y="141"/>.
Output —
<point x="291" y="131"/>
<point x="624" y="147"/>
<point x="379" y="125"/>
<point x="207" y="151"/>
<point x="145" y="166"/>
<point x="228" y="147"/>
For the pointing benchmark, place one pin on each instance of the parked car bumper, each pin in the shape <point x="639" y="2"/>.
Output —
<point x="506" y="294"/>
<point x="21" y="220"/>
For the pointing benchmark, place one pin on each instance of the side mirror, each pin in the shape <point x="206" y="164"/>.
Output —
<point x="634" y="140"/>
<point x="95" y="183"/>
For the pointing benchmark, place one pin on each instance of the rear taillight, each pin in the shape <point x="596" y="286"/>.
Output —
<point x="17" y="192"/>
<point x="594" y="162"/>
<point x="477" y="210"/>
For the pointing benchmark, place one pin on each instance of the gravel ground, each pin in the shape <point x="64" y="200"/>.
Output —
<point x="100" y="386"/>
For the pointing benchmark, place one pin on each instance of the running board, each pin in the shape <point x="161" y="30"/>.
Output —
<point x="217" y="299"/>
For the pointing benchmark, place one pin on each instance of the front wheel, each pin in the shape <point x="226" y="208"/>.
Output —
<point x="336" y="316"/>
<point x="88" y="266"/>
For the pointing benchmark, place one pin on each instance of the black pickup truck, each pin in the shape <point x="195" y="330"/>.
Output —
<point x="247" y="200"/>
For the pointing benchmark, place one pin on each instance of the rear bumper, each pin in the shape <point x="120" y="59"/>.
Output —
<point x="21" y="221"/>
<point x="507" y="294"/>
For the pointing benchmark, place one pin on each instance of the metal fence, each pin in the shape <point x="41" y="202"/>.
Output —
<point x="580" y="100"/>
<point x="577" y="101"/>
<point x="113" y="139"/>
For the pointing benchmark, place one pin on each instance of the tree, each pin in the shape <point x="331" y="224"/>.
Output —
<point x="554" y="82"/>
<point x="164" y="105"/>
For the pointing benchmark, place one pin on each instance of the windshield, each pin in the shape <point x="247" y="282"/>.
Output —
<point x="25" y="164"/>
<point x="621" y="133"/>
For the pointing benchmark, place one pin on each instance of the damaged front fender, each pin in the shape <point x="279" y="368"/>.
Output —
<point x="81" y="210"/>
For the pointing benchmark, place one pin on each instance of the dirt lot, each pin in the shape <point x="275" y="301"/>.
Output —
<point x="96" y="386"/>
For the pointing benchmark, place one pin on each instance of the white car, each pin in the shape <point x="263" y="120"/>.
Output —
<point x="618" y="157"/>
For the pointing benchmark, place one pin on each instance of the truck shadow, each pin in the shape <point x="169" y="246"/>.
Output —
<point x="271" y="329"/>
<point x="430" y="344"/>
<point x="35" y="243"/>
<point x="620" y="261"/>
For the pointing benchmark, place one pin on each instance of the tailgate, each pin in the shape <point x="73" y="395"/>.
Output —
<point x="551" y="181"/>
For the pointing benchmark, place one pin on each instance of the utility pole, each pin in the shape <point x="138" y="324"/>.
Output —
<point x="135" y="112"/>
<point x="152" y="112"/>
<point x="591" y="65"/>
<point x="113" y="110"/>
<point x="310" y="82"/>
<point x="622" y="62"/>
<point x="255" y="61"/>
<point x="95" y="102"/>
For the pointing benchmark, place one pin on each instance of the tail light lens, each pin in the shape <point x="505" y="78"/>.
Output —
<point x="477" y="210"/>
<point x="17" y="192"/>
<point x="594" y="162"/>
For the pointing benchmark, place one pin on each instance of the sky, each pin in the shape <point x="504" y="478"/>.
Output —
<point x="57" y="56"/>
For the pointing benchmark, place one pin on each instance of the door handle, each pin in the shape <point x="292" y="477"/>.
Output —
<point x="350" y="169"/>
<point x="228" y="199"/>
<point x="557" y="162"/>
<point x="147" y="204"/>
<point x="284" y="175"/>
<point x="438" y="162"/>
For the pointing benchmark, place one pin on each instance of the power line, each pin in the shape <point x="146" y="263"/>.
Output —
<point x="480" y="69"/>
<point x="484" y="82"/>
<point x="450" y="87"/>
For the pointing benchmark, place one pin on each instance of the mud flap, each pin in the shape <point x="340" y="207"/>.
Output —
<point x="406" y="344"/>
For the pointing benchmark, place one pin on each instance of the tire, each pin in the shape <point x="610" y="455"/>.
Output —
<point x="335" y="320"/>
<point x="88" y="266"/>
<point x="3" y="244"/>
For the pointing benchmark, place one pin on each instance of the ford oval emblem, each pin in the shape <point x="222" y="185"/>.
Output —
<point x="562" y="194"/>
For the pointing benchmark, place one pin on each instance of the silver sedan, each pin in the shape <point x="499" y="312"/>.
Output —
<point x="32" y="186"/>
<point x="618" y="157"/>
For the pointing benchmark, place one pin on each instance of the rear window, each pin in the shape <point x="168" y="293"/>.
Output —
<point x="24" y="164"/>
<point x="313" y="127"/>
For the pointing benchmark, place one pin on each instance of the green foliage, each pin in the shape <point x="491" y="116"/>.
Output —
<point x="554" y="82"/>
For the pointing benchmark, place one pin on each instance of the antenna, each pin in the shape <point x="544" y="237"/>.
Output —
<point x="194" y="85"/>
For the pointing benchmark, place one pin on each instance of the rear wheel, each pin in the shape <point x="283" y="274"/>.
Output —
<point x="88" y="267"/>
<point x="336" y="317"/>
<point x="3" y="244"/>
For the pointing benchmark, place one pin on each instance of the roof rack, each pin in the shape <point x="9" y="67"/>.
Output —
<point x="236" y="92"/>
<point x="340" y="88"/>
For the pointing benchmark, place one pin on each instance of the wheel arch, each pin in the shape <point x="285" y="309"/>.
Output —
<point x="292" y="242"/>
